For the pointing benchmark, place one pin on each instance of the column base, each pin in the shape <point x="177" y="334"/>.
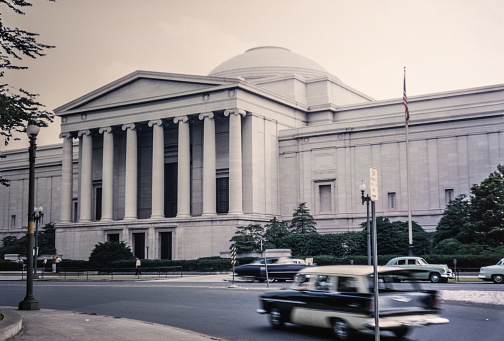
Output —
<point x="157" y="217"/>
<point x="29" y="304"/>
<point x="209" y="214"/>
<point x="235" y="212"/>
<point x="130" y="218"/>
<point x="183" y="215"/>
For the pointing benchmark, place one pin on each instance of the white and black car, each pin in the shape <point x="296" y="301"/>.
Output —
<point x="341" y="297"/>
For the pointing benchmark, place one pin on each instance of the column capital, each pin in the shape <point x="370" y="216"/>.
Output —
<point x="204" y="115"/>
<point x="129" y="126"/>
<point x="105" y="130"/>
<point x="178" y="119"/>
<point x="155" y="122"/>
<point x="84" y="132"/>
<point x="66" y="136"/>
<point x="235" y="111"/>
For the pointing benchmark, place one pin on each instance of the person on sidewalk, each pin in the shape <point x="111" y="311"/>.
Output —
<point x="54" y="264"/>
<point x="138" y="264"/>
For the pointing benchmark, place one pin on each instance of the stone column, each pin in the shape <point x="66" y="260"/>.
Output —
<point x="235" y="161"/>
<point x="130" y="191"/>
<point x="184" y="168"/>
<point x="157" y="169"/>
<point x="67" y="178"/>
<point x="86" y="187"/>
<point x="209" y="174"/>
<point x="107" y="174"/>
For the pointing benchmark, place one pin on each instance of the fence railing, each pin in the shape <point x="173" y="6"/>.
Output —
<point x="67" y="272"/>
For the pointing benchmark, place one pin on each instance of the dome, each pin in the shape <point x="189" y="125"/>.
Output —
<point x="268" y="61"/>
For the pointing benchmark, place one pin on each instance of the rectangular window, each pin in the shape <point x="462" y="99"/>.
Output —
<point x="392" y="204"/>
<point x="13" y="220"/>
<point x="222" y="195"/>
<point x="113" y="237"/>
<point x="75" y="215"/>
<point x="325" y="198"/>
<point x="165" y="240"/>
<point x="448" y="195"/>
<point x="98" y="203"/>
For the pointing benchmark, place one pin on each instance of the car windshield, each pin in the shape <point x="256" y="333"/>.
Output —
<point x="500" y="262"/>
<point x="261" y="261"/>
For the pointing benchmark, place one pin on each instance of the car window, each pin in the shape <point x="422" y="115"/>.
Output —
<point x="500" y="262"/>
<point x="401" y="262"/>
<point x="301" y="282"/>
<point x="422" y="261"/>
<point x="412" y="262"/>
<point x="347" y="284"/>
<point x="323" y="283"/>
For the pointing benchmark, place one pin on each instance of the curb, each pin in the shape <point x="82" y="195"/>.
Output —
<point x="10" y="325"/>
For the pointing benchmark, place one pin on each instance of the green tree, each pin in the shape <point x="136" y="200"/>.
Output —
<point x="46" y="240"/>
<point x="455" y="220"/>
<point x="486" y="211"/>
<point x="248" y="238"/>
<point x="104" y="254"/>
<point x="449" y="246"/>
<point x="393" y="237"/>
<point x="275" y="233"/>
<point x="302" y="221"/>
<point x="18" y="107"/>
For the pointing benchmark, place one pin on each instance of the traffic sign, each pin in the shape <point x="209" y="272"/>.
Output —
<point x="373" y="183"/>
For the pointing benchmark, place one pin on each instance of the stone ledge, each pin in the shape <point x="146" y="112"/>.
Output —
<point x="11" y="324"/>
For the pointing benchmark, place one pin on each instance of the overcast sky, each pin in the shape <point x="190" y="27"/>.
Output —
<point x="444" y="44"/>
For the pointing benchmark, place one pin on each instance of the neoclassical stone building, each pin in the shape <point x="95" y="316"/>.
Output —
<point x="172" y="163"/>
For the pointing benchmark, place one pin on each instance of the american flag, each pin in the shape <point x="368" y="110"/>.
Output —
<point x="405" y="99"/>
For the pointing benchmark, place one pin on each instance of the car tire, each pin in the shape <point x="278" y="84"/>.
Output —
<point x="276" y="319"/>
<point x="401" y="332"/>
<point x="498" y="279"/>
<point x="342" y="330"/>
<point x="435" y="277"/>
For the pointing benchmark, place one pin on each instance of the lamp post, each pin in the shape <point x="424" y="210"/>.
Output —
<point x="29" y="302"/>
<point x="366" y="199"/>
<point x="38" y="215"/>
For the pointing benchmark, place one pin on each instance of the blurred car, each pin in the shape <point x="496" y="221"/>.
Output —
<point x="436" y="273"/>
<point x="493" y="273"/>
<point x="279" y="268"/>
<point x="341" y="297"/>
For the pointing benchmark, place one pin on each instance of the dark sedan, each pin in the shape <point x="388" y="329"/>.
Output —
<point x="279" y="268"/>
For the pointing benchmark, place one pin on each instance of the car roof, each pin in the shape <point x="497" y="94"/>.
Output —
<point x="355" y="270"/>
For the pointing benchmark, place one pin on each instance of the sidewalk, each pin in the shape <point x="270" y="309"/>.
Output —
<point x="56" y="325"/>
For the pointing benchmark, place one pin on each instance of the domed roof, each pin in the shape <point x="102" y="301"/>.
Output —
<point x="268" y="61"/>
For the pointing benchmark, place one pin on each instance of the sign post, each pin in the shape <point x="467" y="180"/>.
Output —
<point x="373" y="182"/>
<point x="233" y="263"/>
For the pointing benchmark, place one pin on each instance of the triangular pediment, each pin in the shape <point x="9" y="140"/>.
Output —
<point x="141" y="86"/>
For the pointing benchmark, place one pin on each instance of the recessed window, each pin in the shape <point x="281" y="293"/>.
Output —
<point x="392" y="204"/>
<point x="222" y="195"/>
<point x="448" y="195"/>
<point x="13" y="220"/>
<point x="325" y="198"/>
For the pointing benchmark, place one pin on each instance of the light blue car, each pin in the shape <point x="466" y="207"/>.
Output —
<point x="493" y="273"/>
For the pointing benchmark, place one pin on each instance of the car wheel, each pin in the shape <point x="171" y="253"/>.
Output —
<point x="498" y="279"/>
<point x="276" y="319"/>
<point x="341" y="330"/>
<point x="401" y="332"/>
<point x="435" y="277"/>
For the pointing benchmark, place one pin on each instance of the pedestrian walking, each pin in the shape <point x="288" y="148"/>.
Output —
<point x="54" y="264"/>
<point x="138" y="264"/>
<point x="45" y="262"/>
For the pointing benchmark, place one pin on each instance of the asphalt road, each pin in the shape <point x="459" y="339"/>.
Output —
<point x="214" y="309"/>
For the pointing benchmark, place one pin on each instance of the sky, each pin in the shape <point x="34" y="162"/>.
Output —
<point x="444" y="44"/>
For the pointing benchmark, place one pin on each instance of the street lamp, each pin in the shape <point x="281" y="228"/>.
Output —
<point x="366" y="199"/>
<point x="38" y="215"/>
<point x="29" y="302"/>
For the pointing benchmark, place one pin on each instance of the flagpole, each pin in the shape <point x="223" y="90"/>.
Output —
<point x="406" y="111"/>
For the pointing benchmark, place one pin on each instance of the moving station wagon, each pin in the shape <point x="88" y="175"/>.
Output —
<point x="341" y="297"/>
<point x="493" y="273"/>
<point x="436" y="273"/>
<point x="279" y="268"/>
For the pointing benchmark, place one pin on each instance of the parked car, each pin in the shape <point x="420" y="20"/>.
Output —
<point x="435" y="273"/>
<point x="493" y="273"/>
<point x="341" y="297"/>
<point x="279" y="268"/>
